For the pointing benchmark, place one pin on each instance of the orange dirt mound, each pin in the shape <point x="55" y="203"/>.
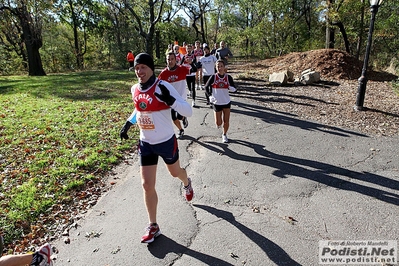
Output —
<point x="332" y="64"/>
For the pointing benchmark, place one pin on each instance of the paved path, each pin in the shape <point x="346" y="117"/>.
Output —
<point x="335" y="184"/>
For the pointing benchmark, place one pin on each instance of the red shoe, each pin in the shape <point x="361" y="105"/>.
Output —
<point x="152" y="231"/>
<point x="42" y="257"/>
<point x="189" y="191"/>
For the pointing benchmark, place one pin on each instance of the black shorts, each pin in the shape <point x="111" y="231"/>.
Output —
<point x="168" y="150"/>
<point x="218" y="108"/>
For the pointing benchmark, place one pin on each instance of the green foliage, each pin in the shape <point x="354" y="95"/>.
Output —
<point x="251" y="28"/>
<point x="171" y="31"/>
<point x="10" y="59"/>
<point x="57" y="53"/>
<point x="269" y="28"/>
<point x="58" y="132"/>
<point x="386" y="36"/>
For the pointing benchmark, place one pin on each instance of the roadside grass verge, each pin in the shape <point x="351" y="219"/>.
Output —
<point x="57" y="133"/>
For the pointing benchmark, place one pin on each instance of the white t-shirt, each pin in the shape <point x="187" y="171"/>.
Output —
<point x="208" y="65"/>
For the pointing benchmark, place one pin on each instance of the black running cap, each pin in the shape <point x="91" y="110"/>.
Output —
<point x="144" y="58"/>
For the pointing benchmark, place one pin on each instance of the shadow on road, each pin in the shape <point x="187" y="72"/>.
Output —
<point x="272" y="116"/>
<point x="320" y="172"/>
<point x="165" y="245"/>
<point x="272" y="250"/>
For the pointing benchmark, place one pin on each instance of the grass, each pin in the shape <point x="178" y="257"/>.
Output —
<point x="57" y="133"/>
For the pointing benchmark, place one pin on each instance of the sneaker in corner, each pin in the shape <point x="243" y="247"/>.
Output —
<point x="225" y="139"/>
<point x="185" y="122"/>
<point x="193" y="103"/>
<point x="180" y="134"/>
<point x="151" y="232"/>
<point x="42" y="257"/>
<point x="189" y="191"/>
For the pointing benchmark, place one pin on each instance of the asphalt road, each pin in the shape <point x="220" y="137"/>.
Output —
<point x="266" y="198"/>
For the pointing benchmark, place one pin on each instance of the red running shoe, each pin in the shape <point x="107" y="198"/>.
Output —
<point x="152" y="231"/>
<point x="189" y="191"/>
<point x="42" y="257"/>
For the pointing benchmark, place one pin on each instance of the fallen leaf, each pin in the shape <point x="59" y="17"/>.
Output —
<point x="290" y="220"/>
<point x="116" y="250"/>
<point x="234" y="256"/>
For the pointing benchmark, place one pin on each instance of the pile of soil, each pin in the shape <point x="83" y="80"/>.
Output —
<point x="330" y="102"/>
<point x="332" y="64"/>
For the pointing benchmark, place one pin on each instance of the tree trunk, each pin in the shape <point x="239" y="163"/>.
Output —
<point x="35" y="61"/>
<point x="202" y="28"/>
<point x="157" y="42"/>
<point x="77" y="47"/>
<point x="330" y="31"/>
<point x="216" y="37"/>
<point x="361" y="32"/>
<point x="32" y="37"/>
<point x="344" y="35"/>
<point x="149" y="40"/>
<point x="330" y="37"/>
<point x="79" y="63"/>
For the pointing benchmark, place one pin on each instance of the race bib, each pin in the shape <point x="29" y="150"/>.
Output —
<point x="145" y="121"/>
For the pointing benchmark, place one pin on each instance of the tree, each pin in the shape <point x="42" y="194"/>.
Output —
<point x="145" y="15"/>
<point x="361" y="24"/>
<point x="71" y="12"/>
<point x="196" y="10"/>
<point x="117" y="32"/>
<point x="75" y="34"/>
<point x="31" y="26"/>
<point x="81" y="16"/>
<point x="10" y="39"/>
<point x="332" y="20"/>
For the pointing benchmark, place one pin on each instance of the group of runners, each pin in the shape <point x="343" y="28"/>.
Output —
<point x="161" y="102"/>
<point x="204" y="59"/>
